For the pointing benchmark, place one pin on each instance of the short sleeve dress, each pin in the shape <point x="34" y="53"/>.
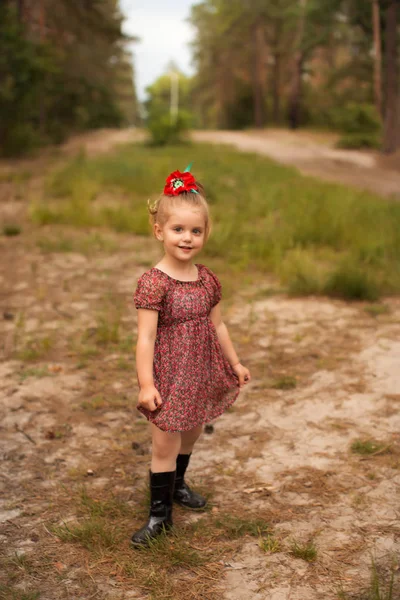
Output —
<point x="195" y="380"/>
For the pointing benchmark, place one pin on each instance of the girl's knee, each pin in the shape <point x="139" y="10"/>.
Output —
<point x="165" y="447"/>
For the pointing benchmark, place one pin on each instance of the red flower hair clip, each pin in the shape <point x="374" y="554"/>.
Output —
<point x="178" y="182"/>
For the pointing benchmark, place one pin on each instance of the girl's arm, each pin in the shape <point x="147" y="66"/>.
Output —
<point x="227" y="346"/>
<point x="149" y="396"/>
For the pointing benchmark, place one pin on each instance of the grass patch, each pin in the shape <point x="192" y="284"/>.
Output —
<point x="287" y="382"/>
<point x="236" y="527"/>
<point x="86" y="245"/>
<point x="94" y="534"/>
<point x="33" y="372"/>
<point x="95" y="508"/>
<point x="382" y="586"/>
<point x="377" y="309"/>
<point x="306" y="551"/>
<point x="100" y="402"/>
<point x="11" y="230"/>
<point x="8" y="593"/>
<point x="270" y="544"/>
<point x="367" y="447"/>
<point x="318" y="238"/>
<point x="34" y="349"/>
<point x="106" y="332"/>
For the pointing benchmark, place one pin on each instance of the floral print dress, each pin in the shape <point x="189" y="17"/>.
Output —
<point x="191" y="373"/>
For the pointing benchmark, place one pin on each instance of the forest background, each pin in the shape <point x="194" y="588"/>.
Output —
<point x="322" y="63"/>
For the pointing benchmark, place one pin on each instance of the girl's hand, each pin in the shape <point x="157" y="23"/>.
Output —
<point x="242" y="374"/>
<point x="149" y="398"/>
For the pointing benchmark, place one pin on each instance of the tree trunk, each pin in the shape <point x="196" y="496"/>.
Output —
<point x="277" y="73"/>
<point x="258" y="74"/>
<point x="390" y="125"/>
<point x="20" y="10"/>
<point x="276" y="97"/>
<point x="376" y="24"/>
<point x="295" y="96"/>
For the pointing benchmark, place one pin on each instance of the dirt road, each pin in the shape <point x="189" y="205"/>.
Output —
<point x="315" y="154"/>
<point x="311" y="448"/>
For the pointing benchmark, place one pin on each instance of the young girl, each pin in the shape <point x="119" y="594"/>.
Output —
<point x="188" y="370"/>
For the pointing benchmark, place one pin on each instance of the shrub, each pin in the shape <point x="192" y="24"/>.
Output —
<point x="361" y="125"/>
<point x="351" y="282"/>
<point x="360" y="140"/>
<point x="163" y="131"/>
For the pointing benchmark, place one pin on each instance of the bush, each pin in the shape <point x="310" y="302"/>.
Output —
<point x="361" y="125"/>
<point x="357" y="119"/>
<point x="359" y="140"/>
<point x="351" y="282"/>
<point x="163" y="131"/>
<point x="20" y="139"/>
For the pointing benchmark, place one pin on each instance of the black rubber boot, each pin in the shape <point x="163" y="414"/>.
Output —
<point x="160" y="518"/>
<point x="183" y="495"/>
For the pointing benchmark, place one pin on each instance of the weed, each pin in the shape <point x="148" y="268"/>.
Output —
<point x="270" y="544"/>
<point x="367" y="447"/>
<point x="352" y="282"/>
<point x="106" y="332"/>
<point x="126" y="344"/>
<point x="85" y="245"/>
<point x="21" y="561"/>
<point x="87" y="351"/>
<point x="98" y="508"/>
<point x="306" y="551"/>
<point x="382" y="585"/>
<point x="33" y="349"/>
<point x="175" y="548"/>
<point x="235" y="527"/>
<point x="11" y="230"/>
<point x="7" y="593"/>
<point x="33" y="372"/>
<point x="124" y="365"/>
<point x="285" y="383"/>
<point x="99" y="402"/>
<point x="93" y="534"/>
<point x="377" y="309"/>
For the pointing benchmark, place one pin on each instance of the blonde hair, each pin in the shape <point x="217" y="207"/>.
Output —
<point x="159" y="210"/>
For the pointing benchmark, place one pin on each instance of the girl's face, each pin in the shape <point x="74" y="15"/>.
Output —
<point x="183" y="233"/>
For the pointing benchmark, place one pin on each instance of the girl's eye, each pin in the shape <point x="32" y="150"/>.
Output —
<point x="196" y="230"/>
<point x="177" y="228"/>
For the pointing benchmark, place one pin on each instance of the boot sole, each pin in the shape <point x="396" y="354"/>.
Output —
<point x="197" y="509"/>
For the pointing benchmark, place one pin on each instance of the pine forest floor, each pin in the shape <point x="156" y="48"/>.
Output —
<point x="302" y="474"/>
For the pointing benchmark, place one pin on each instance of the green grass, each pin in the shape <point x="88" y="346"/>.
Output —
<point x="8" y="593"/>
<point x="318" y="238"/>
<point x="34" y="349"/>
<point x="33" y="372"/>
<point x="367" y="447"/>
<point x="287" y="382"/>
<point x="235" y="527"/>
<point x="270" y="544"/>
<point x="306" y="551"/>
<point x="11" y="230"/>
<point x="383" y="585"/>
<point x="92" y="533"/>
<point x="85" y="245"/>
<point x="377" y="309"/>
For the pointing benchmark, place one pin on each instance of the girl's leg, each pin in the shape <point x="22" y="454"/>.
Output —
<point x="165" y="449"/>
<point x="162" y="482"/>
<point x="183" y="495"/>
<point x="189" y="438"/>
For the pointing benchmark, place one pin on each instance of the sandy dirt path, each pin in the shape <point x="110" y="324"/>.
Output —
<point x="315" y="154"/>
<point x="325" y="376"/>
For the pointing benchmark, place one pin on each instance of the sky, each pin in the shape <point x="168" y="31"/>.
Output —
<point x="164" y="36"/>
